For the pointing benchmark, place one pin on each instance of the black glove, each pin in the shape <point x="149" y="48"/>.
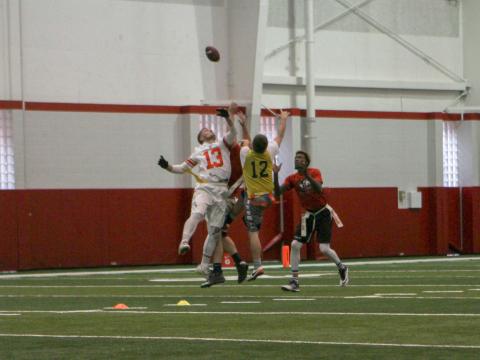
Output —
<point x="163" y="163"/>
<point x="223" y="113"/>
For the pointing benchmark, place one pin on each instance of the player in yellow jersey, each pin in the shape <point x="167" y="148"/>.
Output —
<point x="257" y="166"/>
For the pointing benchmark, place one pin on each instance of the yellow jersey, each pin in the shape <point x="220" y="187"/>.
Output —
<point x="257" y="173"/>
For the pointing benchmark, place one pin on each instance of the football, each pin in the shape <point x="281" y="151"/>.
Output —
<point x="212" y="54"/>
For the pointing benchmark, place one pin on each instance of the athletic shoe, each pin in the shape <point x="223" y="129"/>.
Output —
<point x="242" y="270"/>
<point x="203" y="270"/>
<point x="256" y="273"/>
<point x="213" y="278"/>
<point x="183" y="248"/>
<point x="292" y="286"/>
<point x="343" y="271"/>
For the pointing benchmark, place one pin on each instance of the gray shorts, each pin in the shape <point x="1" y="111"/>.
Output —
<point x="254" y="209"/>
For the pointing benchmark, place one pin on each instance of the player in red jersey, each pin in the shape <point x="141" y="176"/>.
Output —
<point x="318" y="216"/>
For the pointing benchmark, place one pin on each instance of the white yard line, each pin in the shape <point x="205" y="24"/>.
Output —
<point x="10" y="314"/>
<point x="263" y="341"/>
<point x="396" y="294"/>
<point x="147" y="296"/>
<point x="259" y="313"/>
<point x="14" y="275"/>
<point x="234" y="286"/>
<point x="293" y="299"/>
<point x="240" y="302"/>
<point x="442" y="291"/>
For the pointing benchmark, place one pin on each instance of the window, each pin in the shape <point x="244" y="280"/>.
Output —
<point x="7" y="164"/>
<point x="450" y="154"/>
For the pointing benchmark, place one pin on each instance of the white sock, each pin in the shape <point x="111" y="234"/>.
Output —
<point x="214" y="236"/>
<point x="295" y="255"/>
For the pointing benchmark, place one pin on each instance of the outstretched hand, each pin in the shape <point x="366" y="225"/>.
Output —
<point x="162" y="162"/>
<point x="242" y="118"/>
<point x="223" y="113"/>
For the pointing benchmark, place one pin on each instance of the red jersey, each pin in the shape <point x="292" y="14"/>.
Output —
<point x="310" y="199"/>
<point x="235" y="163"/>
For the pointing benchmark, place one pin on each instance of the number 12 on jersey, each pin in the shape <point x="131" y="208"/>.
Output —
<point x="259" y="168"/>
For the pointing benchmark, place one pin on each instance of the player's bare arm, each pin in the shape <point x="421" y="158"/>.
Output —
<point x="229" y="116"/>
<point x="316" y="185"/>
<point x="176" y="169"/>
<point x="278" y="190"/>
<point x="282" y="127"/>
<point x="242" y="120"/>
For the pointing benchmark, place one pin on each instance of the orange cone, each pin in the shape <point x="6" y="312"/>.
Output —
<point x="286" y="256"/>
<point x="120" y="307"/>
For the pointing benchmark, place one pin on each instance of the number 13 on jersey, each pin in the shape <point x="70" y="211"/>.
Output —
<point x="214" y="158"/>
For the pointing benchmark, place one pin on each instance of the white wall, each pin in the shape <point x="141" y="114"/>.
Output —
<point x="151" y="52"/>
<point x="362" y="67"/>
<point x="377" y="153"/>
<point x="95" y="150"/>
<point x="471" y="50"/>
<point x="469" y="153"/>
<point x="112" y="51"/>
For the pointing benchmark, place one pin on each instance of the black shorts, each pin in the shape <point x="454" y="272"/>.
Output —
<point x="321" y="222"/>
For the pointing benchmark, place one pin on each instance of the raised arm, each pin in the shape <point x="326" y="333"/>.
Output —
<point x="229" y="116"/>
<point x="281" y="128"/>
<point x="278" y="189"/>
<point x="242" y="119"/>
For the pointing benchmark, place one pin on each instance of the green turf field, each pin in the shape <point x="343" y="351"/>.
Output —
<point x="409" y="310"/>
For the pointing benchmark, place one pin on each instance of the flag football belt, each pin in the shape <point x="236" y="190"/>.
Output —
<point x="257" y="201"/>
<point x="307" y="214"/>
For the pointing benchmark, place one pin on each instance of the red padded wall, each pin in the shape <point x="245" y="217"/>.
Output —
<point x="471" y="216"/>
<point x="83" y="228"/>
<point x="8" y="230"/>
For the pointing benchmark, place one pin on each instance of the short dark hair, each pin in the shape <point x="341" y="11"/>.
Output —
<point x="260" y="143"/>
<point x="198" y="136"/>
<point x="307" y="157"/>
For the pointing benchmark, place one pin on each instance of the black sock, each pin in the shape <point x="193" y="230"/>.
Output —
<point x="236" y="257"/>
<point x="217" y="267"/>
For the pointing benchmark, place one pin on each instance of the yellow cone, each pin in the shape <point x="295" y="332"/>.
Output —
<point x="183" y="303"/>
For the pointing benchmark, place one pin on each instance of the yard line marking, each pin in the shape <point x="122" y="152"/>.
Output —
<point x="130" y="307"/>
<point x="226" y="285"/>
<point x="14" y="275"/>
<point x="268" y="341"/>
<point x="293" y="299"/>
<point x="474" y="289"/>
<point x="146" y="296"/>
<point x="184" y="305"/>
<point x="240" y="302"/>
<point x="302" y="313"/>
<point x="396" y="294"/>
<point x="265" y="276"/>
<point x="11" y="314"/>
<point x="442" y="291"/>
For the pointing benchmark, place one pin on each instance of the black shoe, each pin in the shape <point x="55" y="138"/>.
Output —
<point x="343" y="271"/>
<point x="242" y="270"/>
<point x="213" y="278"/>
<point x="292" y="286"/>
